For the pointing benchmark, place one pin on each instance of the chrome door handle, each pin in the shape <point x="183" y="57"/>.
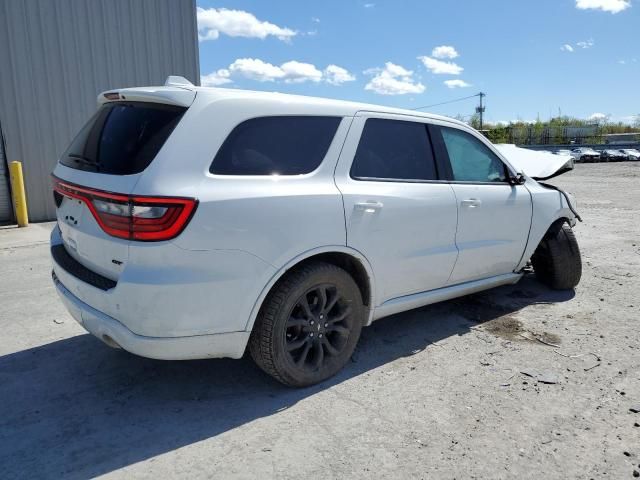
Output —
<point x="471" y="202"/>
<point x="368" y="207"/>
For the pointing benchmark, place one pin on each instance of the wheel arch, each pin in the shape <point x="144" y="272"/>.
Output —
<point x="346" y="258"/>
<point x="560" y="219"/>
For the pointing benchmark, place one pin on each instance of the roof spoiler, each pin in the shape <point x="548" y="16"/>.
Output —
<point x="177" y="81"/>
<point x="170" y="95"/>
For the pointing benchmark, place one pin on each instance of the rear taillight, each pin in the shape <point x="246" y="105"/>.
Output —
<point x="133" y="217"/>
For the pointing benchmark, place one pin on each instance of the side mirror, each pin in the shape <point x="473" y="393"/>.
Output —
<point x="517" y="180"/>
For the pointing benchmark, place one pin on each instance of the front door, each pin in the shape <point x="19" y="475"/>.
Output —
<point x="494" y="216"/>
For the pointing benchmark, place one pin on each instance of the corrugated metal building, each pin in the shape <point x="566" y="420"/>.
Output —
<point x="56" y="56"/>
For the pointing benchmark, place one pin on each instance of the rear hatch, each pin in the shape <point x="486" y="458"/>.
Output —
<point x="95" y="178"/>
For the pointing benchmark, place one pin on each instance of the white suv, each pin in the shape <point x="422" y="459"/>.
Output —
<point x="196" y="222"/>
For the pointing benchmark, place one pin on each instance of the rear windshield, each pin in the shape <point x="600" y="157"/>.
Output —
<point x="122" y="138"/>
<point x="288" y="145"/>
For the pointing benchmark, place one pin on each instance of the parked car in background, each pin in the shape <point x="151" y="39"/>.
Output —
<point x="631" y="153"/>
<point x="611" y="155"/>
<point x="564" y="151"/>
<point x="585" y="154"/>
<point x="199" y="222"/>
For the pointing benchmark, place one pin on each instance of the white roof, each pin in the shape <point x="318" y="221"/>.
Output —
<point x="179" y="93"/>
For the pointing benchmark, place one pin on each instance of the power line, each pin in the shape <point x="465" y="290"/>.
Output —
<point x="450" y="101"/>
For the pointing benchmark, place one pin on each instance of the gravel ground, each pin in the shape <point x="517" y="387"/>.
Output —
<point x="518" y="382"/>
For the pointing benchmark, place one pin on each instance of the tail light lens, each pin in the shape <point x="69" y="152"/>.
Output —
<point x="133" y="217"/>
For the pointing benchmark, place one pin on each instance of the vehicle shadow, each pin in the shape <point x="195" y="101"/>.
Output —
<point x="80" y="409"/>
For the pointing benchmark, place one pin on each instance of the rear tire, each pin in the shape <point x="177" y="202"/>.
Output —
<point x="308" y="326"/>
<point x="557" y="262"/>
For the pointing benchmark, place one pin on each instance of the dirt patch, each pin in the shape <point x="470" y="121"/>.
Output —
<point x="499" y="320"/>
<point x="510" y="328"/>
<point x="505" y="327"/>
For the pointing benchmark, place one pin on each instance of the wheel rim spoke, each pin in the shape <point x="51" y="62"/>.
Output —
<point x="319" y="354"/>
<point x="332" y="303"/>
<point x="339" y="330"/>
<point x="322" y="299"/>
<point x="297" y="322"/>
<point x="303" y="355"/>
<point x="331" y="350"/>
<point x="341" y="316"/>
<point x="304" y="304"/>
<point x="291" y="346"/>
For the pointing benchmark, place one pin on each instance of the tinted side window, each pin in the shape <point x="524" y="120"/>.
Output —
<point x="471" y="160"/>
<point x="394" y="149"/>
<point x="276" y="146"/>
<point x="122" y="138"/>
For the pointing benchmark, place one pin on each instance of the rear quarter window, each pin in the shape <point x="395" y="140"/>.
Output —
<point x="278" y="145"/>
<point x="122" y="138"/>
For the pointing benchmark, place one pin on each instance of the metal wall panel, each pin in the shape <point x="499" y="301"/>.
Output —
<point x="56" y="56"/>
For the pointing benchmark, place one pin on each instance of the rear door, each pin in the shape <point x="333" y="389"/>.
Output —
<point x="494" y="216"/>
<point x="398" y="214"/>
<point x="109" y="154"/>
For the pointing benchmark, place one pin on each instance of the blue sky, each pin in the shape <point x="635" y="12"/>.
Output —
<point x="530" y="57"/>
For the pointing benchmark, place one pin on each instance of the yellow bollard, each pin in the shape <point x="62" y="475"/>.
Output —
<point x="17" y="190"/>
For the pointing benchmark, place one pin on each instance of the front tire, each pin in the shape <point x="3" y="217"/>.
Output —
<point x="557" y="262"/>
<point x="308" y="326"/>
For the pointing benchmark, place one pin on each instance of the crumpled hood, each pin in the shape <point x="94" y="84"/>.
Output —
<point x="535" y="164"/>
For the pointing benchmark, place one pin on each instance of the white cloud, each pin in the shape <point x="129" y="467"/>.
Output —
<point x="597" y="117"/>
<point x="393" y="80"/>
<point x="315" y="19"/>
<point x="236" y="23"/>
<point x="288" y="72"/>
<point x="613" y="6"/>
<point x="369" y="5"/>
<point x="336" y="75"/>
<point x="299" y="72"/>
<point x="566" y="48"/>
<point x="586" y="44"/>
<point x="444" y="51"/>
<point x="215" y="79"/>
<point x="256" y="69"/>
<point x="456" y="83"/>
<point x="441" y="68"/>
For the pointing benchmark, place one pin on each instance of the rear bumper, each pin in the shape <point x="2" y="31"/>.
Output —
<point x="167" y="292"/>
<point x="115" y="334"/>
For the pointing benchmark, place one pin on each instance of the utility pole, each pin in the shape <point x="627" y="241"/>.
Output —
<point x="480" y="109"/>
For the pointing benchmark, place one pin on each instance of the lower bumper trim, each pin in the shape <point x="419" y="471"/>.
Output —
<point x="115" y="334"/>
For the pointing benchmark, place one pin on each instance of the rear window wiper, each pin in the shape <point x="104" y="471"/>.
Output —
<point x="84" y="160"/>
